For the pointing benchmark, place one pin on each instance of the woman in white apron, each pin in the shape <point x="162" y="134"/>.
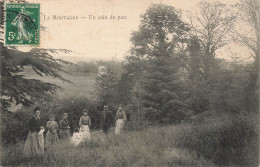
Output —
<point x="84" y="124"/>
<point x="120" y="119"/>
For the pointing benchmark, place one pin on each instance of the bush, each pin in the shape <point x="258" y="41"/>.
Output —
<point x="225" y="139"/>
<point x="14" y="127"/>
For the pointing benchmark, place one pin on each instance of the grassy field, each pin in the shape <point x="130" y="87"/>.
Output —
<point x="222" y="140"/>
<point x="153" y="147"/>
<point x="82" y="83"/>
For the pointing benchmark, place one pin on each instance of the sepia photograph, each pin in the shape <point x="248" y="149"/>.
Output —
<point x="129" y="83"/>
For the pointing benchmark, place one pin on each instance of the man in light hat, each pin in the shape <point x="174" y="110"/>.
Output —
<point x="107" y="119"/>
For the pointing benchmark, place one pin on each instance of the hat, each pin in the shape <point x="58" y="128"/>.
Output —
<point x="64" y="114"/>
<point x="36" y="109"/>
<point x="85" y="110"/>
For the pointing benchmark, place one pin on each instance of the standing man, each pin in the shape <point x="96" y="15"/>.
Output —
<point x="107" y="119"/>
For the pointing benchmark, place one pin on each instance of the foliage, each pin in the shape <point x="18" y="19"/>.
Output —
<point x="14" y="127"/>
<point x="212" y="27"/>
<point x="210" y="30"/>
<point x="226" y="139"/>
<point x="164" y="97"/>
<point x="106" y="88"/>
<point x="22" y="90"/>
<point x="159" y="44"/>
<point x="250" y="37"/>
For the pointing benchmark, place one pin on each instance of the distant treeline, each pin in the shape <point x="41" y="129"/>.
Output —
<point x="92" y="66"/>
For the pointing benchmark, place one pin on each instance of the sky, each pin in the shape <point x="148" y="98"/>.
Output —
<point x="97" y="39"/>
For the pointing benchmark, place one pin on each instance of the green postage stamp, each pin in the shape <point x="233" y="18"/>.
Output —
<point x="22" y="25"/>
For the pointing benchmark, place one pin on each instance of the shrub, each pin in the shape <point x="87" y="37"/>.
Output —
<point x="14" y="127"/>
<point x="225" y="139"/>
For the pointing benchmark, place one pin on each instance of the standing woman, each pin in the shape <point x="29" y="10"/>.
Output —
<point x="64" y="127"/>
<point x="34" y="145"/>
<point x="51" y="136"/>
<point x="84" y="123"/>
<point x="120" y="119"/>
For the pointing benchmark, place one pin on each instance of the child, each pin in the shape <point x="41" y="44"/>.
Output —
<point x="41" y="131"/>
<point x="84" y="124"/>
<point x="76" y="137"/>
<point x="51" y="136"/>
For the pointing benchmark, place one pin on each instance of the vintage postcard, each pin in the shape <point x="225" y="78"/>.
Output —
<point x="129" y="83"/>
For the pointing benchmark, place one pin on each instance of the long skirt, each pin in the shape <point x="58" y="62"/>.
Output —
<point x="51" y="139"/>
<point x="119" y="126"/>
<point x="34" y="145"/>
<point x="84" y="129"/>
<point x="64" y="133"/>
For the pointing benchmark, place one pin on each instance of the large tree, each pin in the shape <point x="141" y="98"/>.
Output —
<point x="210" y="30"/>
<point x="211" y="27"/>
<point x="249" y="36"/>
<point x="249" y="14"/>
<point x="160" y="43"/>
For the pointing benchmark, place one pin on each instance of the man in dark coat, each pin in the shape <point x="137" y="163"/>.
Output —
<point x="107" y="119"/>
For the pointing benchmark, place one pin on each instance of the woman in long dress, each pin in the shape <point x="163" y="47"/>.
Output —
<point x="51" y="136"/>
<point x="120" y="119"/>
<point x="34" y="145"/>
<point x="64" y="127"/>
<point x="84" y="124"/>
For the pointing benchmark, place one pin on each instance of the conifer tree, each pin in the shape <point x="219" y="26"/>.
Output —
<point x="161" y="42"/>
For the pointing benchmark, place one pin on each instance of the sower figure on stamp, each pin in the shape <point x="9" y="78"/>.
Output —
<point x="23" y="34"/>
<point x="107" y="119"/>
<point x="120" y="119"/>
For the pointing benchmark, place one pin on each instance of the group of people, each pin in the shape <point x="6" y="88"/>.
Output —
<point x="35" y="143"/>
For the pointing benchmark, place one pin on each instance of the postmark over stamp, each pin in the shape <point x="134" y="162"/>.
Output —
<point x="22" y="24"/>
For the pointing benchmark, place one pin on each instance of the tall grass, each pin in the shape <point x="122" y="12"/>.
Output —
<point x="216" y="141"/>
<point x="145" y="148"/>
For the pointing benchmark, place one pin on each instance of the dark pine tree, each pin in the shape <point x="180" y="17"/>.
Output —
<point x="161" y="44"/>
